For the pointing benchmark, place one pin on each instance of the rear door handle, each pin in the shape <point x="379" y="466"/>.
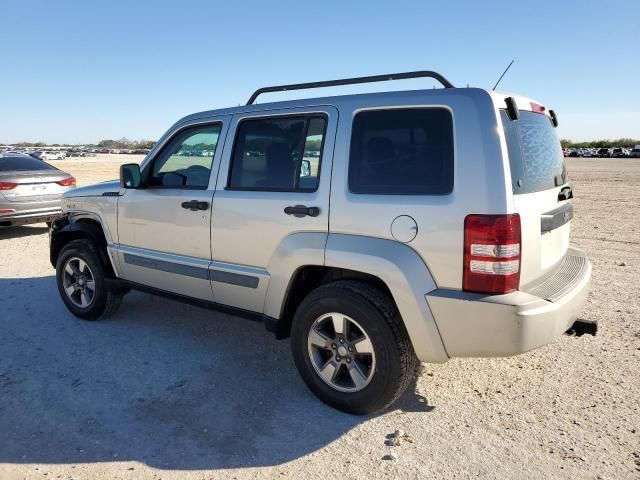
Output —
<point x="302" y="211"/>
<point x="195" y="205"/>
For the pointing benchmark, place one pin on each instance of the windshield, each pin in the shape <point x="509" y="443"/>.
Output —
<point x="22" y="164"/>
<point x="535" y="154"/>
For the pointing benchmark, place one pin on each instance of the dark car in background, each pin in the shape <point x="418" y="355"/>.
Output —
<point x="603" y="153"/>
<point x="620" y="153"/>
<point x="30" y="190"/>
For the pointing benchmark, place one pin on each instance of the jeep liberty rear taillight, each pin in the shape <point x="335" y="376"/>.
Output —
<point x="492" y="245"/>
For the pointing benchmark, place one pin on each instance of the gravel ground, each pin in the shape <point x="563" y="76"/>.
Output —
<point x="165" y="390"/>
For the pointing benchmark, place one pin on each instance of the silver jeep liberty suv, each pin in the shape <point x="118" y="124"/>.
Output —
<point x="376" y="231"/>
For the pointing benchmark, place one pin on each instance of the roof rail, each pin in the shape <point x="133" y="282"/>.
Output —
<point x="350" y="81"/>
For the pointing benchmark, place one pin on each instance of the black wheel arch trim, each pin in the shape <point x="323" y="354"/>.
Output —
<point x="63" y="230"/>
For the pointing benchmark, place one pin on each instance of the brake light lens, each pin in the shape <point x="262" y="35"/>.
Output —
<point x="537" y="108"/>
<point x="8" y="210"/>
<point x="492" y="246"/>
<point x="7" y="185"/>
<point x="67" y="182"/>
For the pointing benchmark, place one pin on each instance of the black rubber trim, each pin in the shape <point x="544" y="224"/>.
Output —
<point x="203" y="273"/>
<point x="170" y="267"/>
<point x="232" y="278"/>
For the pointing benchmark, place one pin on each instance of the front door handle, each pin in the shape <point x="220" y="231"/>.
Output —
<point x="302" y="211"/>
<point x="195" y="205"/>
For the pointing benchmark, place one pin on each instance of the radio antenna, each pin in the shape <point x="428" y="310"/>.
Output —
<point x="504" y="73"/>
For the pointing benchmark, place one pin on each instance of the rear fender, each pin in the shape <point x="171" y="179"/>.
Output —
<point x="407" y="277"/>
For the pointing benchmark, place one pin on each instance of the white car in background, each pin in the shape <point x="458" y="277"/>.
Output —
<point x="48" y="156"/>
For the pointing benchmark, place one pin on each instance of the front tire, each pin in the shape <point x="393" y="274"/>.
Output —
<point x="351" y="348"/>
<point x="81" y="282"/>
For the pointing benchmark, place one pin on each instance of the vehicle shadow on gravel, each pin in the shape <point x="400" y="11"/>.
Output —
<point x="23" y="231"/>
<point x="166" y="384"/>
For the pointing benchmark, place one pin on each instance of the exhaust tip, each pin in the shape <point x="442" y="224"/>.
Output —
<point x="582" y="327"/>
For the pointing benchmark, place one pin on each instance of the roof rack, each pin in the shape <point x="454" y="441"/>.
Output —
<point x="350" y="81"/>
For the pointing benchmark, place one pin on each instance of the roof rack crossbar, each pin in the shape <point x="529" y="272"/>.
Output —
<point x="351" y="81"/>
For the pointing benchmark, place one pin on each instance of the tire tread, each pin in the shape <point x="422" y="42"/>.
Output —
<point x="112" y="299"/>
<point x="396" y="339"/>
<point x="408" y="361"/>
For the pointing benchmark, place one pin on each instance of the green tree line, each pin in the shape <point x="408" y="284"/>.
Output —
<point x="125" y="143"/>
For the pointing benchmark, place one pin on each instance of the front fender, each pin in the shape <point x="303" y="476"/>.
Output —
<point x="407" y="277"/>
<point x="68" y="228"/>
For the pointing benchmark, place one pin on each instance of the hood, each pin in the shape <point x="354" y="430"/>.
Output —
<point x="111" y="187"/>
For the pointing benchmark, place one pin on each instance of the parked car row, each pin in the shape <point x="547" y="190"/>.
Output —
<point x="617" y="152"/>
<point x="61" y="154"/>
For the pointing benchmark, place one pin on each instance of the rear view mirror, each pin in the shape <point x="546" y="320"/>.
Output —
<point x="130" y="176"/>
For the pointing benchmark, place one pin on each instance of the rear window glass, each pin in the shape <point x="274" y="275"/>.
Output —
<point x="535" y="154"/>
<point x="20" y="163"/>
<point x="402" y="152"/>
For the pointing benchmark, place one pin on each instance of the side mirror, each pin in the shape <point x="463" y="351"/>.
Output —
<point x="130" y="176"/>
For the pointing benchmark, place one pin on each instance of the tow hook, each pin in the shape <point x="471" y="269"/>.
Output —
<point x="581" y="327"/>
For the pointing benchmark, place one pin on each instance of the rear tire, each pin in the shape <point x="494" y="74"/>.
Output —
<point x="372" y="320"/>
<point x="81" y="282"/>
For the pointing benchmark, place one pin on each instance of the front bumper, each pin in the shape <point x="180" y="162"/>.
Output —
<point x="476" y="325"/>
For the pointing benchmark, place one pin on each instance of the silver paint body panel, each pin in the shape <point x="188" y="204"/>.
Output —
<point x="244" y="251"/>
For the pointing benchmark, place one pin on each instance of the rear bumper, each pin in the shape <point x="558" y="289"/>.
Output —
<point x="476" y="325"/>
<point x="25" y="218"/>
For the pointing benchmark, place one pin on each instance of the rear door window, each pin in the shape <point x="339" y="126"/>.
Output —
<point x="278" y="154"/>
<point x="535" y="154"/>
<point x="402" y="152"/>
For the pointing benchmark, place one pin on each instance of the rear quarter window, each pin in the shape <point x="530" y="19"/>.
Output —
<point x="402" y="152"/>
<point x="22" y="164"/>
<point x="535" y="154"/>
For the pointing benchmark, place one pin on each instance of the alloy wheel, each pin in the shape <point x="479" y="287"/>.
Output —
<point x="341" y="352"/>
<point x="78" y="282"/>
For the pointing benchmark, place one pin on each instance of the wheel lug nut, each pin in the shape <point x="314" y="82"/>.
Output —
<point x="342" y="340"/>
<point x="351" y="349"/>
<point x="348" y="360"/>
<point x="333" y="345"/>
<point x="338" y="358"/>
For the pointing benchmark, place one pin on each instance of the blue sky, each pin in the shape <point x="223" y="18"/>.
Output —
<point x="81" y="71"/>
